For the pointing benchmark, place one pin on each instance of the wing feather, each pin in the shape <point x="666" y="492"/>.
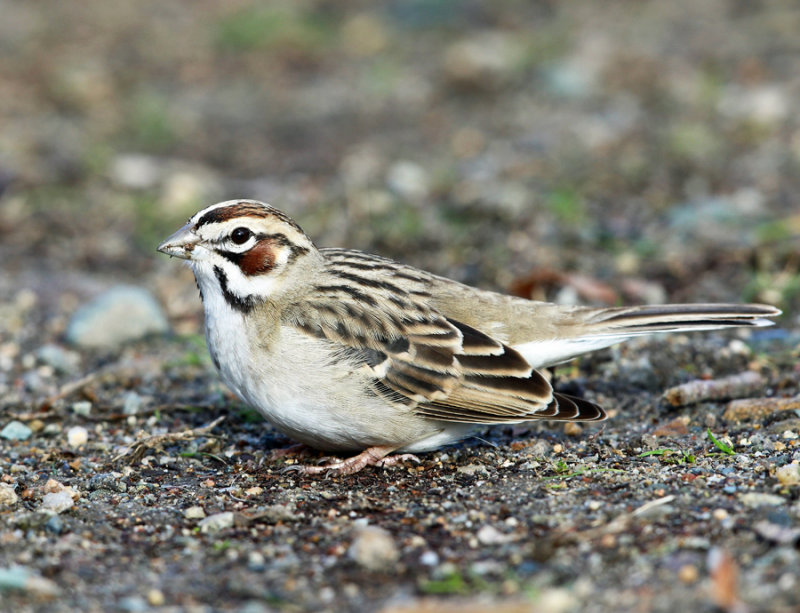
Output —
<point x="376" y="313"/>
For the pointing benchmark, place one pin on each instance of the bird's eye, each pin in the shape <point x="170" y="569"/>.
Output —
<point x="240" y="235"/>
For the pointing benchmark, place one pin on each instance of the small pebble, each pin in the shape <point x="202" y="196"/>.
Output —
<point x="256" y="561"/>
<point x="608" y="541"/>
<point x="374" y="549"/>
<point x="62" y="360"/>
<point x="195" y="512"/>
<point x="82" y="407"/>
<point x="155" y="597"/>
<point x="108" y="481"/>
<point x="279" y="512"/>
<point x="489" y="535"/>
<point x="688" y="573"/>
<point x="16" y="431"/>
<point x="121" y="314"/>
<point x="473" y="469"/>
<point x="759" y="499"/>
<point x="51" y="429"/>
<point x="77" y="436"/>
<point x="217" y="522"/>
<point x="8" y="497"/>
<point x="132" y="403"/>
<point x="789" y="474"/>
<point x="133" y="604"/>
<point x="54" y="525"/>
<point x="572" y="429"/>
<point x="24" y="580"/>
<point x="556" y="600"/>
<point x="429" y="558"/>
<point x="57" y="502"/>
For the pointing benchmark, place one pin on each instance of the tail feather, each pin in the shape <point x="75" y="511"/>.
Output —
<point x="571" y="408"/>
<point x="589" y="329"/>
<point x="678" y="317"/>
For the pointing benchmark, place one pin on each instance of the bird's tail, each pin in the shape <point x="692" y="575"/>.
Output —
<point x="588" y="329"/>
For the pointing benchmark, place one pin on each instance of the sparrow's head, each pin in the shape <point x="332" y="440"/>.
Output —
<point x="243" y="248"/>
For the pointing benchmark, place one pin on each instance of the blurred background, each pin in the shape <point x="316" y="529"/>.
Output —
<point x="614" y="152"/>
<point x="582" y="151"/>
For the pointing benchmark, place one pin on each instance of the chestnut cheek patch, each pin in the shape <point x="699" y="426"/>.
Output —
<point x="258" y="260"/>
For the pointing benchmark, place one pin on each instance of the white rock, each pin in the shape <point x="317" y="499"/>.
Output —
<point x="429" y="558"/>
<point x="123" y="313"/>
<point x="77" y="436"/>
<point x="8" y="497"/>
<point x="16" y="431"/>
<point x="82" y="407"/>
<point x="374" y="549"/>
<point x="556" y="600"/>
<point x="489" y="535"/>
<point x="789" y="474"/>
<point x="57" y="502"/>
<point x="195" y="512"/>
<point x="59" y="358"/>
<point x="760" y="499"/>
<point x="217" y="522"/>
<point x="26" y="580"/>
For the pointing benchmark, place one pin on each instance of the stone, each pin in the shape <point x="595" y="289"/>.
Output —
<point x="374" y="549"/>
<point x="8" y="497"/>
<point x="489" y="535"/>
<point x="20" y="578"/>
<point x="62" y="360"/>
<point x="82" y="408"/>
<point x="194" y="512"/>
<point x="77" y="436"/>
<point x="217" y="522"/>
<point x="57" y="502"/>
<point x="789" y="474"/>
<point x="16" y="431"/>
<point x="760" y="499"/>
<point x="121" y="314"/>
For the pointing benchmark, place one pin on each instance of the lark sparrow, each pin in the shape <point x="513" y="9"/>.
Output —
<point x="347" y="351"/>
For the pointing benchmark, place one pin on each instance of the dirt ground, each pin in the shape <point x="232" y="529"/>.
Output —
<point x="581" y="152"/>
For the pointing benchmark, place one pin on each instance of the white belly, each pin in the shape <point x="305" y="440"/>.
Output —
<point x="309" y="394"/>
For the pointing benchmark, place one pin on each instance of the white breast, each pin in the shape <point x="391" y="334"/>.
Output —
<point x="299" y="385"/>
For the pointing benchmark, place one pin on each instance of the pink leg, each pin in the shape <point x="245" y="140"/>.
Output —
<point x="374" y="456"/>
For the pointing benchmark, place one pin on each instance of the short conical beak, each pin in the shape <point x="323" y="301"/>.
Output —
<point x="181" y="243"/>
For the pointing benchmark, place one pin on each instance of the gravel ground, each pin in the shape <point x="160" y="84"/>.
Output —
<point x="623" y="153"/>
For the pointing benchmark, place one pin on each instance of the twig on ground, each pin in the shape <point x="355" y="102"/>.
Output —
<point x="699" y="390"/>
<point x="136" y="451"/>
